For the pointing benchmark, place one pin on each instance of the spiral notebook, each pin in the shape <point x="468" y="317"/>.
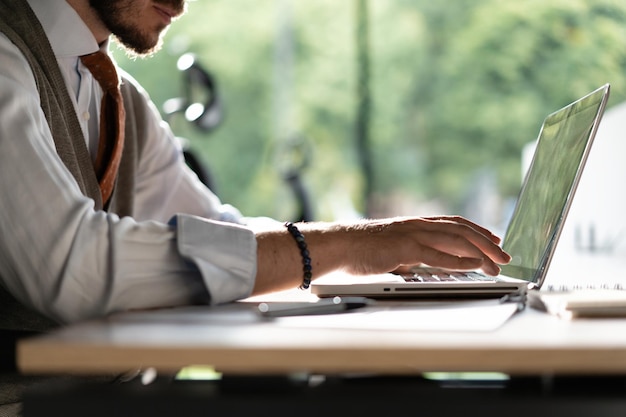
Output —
<point x="564" y="142"/>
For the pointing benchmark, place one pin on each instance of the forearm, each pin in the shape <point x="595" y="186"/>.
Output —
<point x="350" y="246"/>
<point x="375" y="246"/>
<point x="280" y="263"/>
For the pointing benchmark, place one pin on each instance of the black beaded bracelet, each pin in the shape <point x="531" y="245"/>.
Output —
<point x="304" y="252"/>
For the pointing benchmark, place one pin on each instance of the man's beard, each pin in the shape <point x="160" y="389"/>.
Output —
<point x="117" y="16"/>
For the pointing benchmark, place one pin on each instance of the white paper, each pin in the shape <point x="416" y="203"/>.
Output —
<point x="422" y="316"/>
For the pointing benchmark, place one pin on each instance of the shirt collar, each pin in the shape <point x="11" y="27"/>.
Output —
<point x="59" y="19"/>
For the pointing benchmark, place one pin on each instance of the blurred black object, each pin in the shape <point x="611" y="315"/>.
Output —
<point x="200" y="105"/>
<point x="292" y="158"/>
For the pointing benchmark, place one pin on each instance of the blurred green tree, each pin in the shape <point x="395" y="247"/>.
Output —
<point x="458" y="88"/>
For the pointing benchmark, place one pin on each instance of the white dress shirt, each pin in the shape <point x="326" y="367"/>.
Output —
<point x="71" y="262"/>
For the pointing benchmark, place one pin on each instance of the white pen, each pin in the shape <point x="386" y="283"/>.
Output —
<point x="324" y="306"/>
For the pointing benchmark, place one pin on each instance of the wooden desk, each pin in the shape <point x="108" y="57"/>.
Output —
<point x="559" y="368"/>
<point x="235" y="340"/>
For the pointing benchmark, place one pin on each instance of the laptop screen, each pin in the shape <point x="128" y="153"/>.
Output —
<point x="545" y="197"/>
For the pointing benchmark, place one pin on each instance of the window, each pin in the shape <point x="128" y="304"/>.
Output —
<point x="456" y="90"/>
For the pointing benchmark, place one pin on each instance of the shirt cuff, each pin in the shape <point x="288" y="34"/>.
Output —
<point x="224" y="253"/>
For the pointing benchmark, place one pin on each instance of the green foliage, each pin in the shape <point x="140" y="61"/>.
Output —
<point x="504" y="74"/>
<point x="459" y="87"/>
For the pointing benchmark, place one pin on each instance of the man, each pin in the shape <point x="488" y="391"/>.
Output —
<point x="71" y="251"/>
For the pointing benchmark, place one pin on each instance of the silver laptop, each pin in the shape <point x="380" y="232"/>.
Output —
<point x="531" y="237"/>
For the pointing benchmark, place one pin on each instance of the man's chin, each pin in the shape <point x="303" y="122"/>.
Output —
<point x="137" y="51"/>
<point x="144" y="46"/>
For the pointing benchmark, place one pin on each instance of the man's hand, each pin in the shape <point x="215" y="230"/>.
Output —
<point x="448" y="242"/>
<point x="376" y="246"/>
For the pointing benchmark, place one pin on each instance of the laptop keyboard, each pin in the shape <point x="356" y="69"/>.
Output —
<point x="439" y="275"/>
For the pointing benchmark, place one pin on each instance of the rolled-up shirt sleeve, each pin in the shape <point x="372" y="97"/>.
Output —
<point x="226" y="261"/>
<point x="209" y="234"/>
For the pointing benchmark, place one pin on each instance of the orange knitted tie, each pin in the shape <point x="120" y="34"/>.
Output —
<point x="112" y="116"/>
